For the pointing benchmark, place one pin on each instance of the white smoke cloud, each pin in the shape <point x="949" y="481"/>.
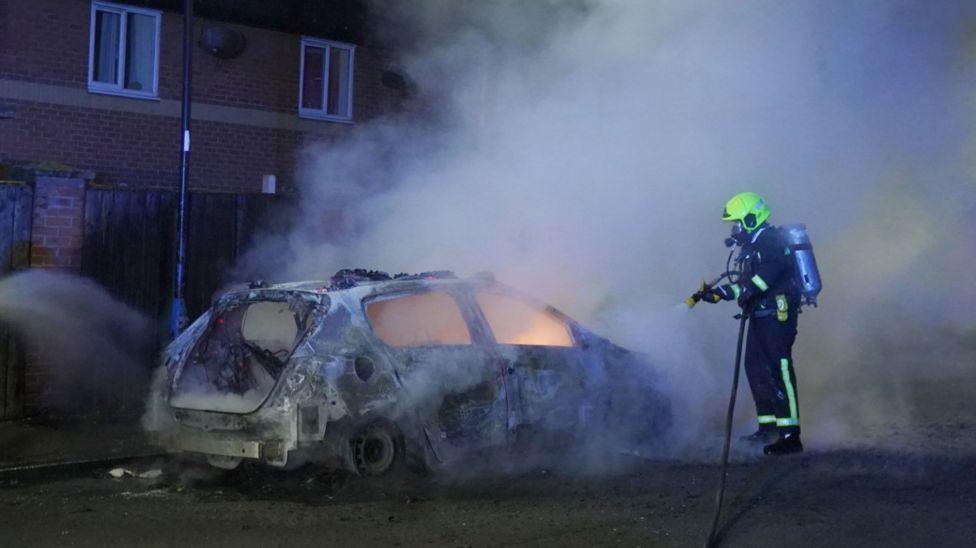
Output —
<point x="92" y="349"/>
<point x="583" y="152"/>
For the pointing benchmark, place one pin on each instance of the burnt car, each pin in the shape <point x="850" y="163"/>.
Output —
<point x="369" y="372"/>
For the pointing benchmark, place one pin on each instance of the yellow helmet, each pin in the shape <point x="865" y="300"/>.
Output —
<point x="747" y="207"/>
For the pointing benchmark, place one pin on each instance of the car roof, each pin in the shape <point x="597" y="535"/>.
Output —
<point x="363" y="289"/>
<point x="359" y="282"/>
<point x="377" y="286"/>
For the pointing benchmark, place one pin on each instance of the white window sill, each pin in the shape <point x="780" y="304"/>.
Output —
<point x="318" y="115"/>
<point x="123" y="93"/>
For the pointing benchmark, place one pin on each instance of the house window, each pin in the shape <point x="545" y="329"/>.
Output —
<point x="325" y="89"/>
<point x="124" y="50"/>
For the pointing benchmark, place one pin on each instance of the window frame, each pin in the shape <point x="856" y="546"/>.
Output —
<point x="119" y="88"/>
<point x="322" y="114"/>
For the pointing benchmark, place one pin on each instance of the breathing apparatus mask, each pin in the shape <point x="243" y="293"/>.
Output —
<point x="739" y="235"/>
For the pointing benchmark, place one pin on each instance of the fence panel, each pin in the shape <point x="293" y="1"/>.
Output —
<point x="130" y="244"/>
<point x="16" y="209"/>
<point x="211" y="247"/>
<point x="130" y="248"/>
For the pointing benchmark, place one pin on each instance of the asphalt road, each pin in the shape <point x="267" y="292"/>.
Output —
<point x="896" y="493"/>
<point x="848" y="498"/>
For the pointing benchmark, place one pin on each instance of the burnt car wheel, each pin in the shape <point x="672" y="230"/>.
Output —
<point x="377" y="449"/>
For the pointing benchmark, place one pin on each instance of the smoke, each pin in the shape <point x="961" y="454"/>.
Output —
<point x="582" y="151"/>
<point x="91" y="348"/>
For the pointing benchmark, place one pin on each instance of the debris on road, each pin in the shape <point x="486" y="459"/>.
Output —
<point x="152" y="473"/>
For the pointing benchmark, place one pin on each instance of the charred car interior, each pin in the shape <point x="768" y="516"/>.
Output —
<point x="369" y="373"/>
<point x="235" y="364"/>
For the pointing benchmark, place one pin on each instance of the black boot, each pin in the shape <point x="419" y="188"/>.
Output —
<point x="763" y="436"/>
<point x="786" y="444"/>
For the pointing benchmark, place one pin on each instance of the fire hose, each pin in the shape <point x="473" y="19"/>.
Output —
<point x="713" y="538"/>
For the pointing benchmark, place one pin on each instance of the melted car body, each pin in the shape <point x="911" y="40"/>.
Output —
<point x="368" y="372"/>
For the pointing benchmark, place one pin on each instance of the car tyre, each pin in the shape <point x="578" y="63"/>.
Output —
<point x="378" y="449"/>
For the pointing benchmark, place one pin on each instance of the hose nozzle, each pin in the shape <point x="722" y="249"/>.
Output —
<point x="697" y="295"/>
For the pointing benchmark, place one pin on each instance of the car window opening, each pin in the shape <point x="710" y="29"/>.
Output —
<point x="516" y="322"/>
<point x="238" y="362"/>
<point x="424" y="319"/>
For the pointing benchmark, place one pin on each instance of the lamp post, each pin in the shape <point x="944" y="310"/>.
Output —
<point x="178" y="316"/>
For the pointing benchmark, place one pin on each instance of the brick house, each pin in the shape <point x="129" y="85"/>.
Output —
<point x="68" y="105"/>
<point x="90" y="98"/>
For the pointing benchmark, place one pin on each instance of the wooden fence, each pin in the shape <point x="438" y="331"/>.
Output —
<point x="130" y="244"/>
<point x="16" y="209"/>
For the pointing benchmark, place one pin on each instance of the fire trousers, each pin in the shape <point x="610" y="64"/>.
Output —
<point x="769" y="368"/>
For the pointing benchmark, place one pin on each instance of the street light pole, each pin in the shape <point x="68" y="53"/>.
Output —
<point x="178" y="316"/>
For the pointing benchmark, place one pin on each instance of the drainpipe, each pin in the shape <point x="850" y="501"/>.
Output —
<point x="177" y="317"/>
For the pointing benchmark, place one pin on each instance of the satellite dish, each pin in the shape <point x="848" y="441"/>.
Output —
<point x="222" y="42"/>
<point x="397" y="81"/>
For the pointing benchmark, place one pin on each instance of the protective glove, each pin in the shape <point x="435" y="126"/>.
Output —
<point x="711" y="295"/>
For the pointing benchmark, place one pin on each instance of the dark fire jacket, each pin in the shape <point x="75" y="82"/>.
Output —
<point x="767" y="274"/>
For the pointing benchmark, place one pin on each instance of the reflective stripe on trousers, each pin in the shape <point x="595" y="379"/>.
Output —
<point x="794" y="418"/>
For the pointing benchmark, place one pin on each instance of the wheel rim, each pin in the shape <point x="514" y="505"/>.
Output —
<point x="375" y="451"/>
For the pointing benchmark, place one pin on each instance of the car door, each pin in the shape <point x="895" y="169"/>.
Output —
<point x="449" y="379"/>
<point x="544" y="364"/>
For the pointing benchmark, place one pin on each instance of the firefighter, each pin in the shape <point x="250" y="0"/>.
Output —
<point x="766" y="292"/>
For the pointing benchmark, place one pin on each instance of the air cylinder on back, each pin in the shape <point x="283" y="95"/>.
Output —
<point x="806" y="274"/>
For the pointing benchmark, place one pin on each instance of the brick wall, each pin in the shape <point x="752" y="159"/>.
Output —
<point x="56" y="242"/>
<point x="138" y="150"/>
<point x="59" y="221"/>
<point x="264" y="77"/>
<point x="47" y="42"/>
<point x="125" y="148"/>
